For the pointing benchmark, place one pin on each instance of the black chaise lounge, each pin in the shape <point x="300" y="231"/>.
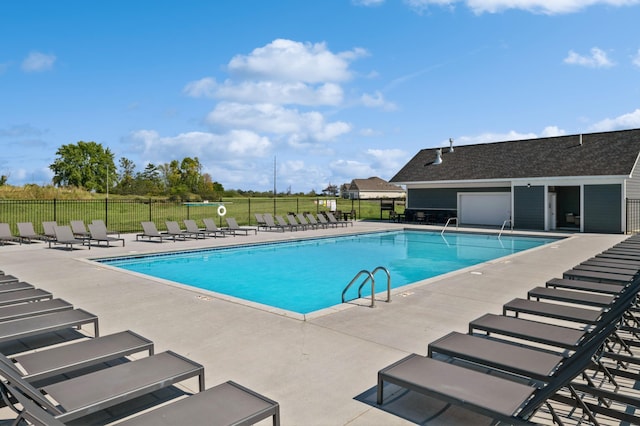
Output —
<point x="99" y="234"/>
<point x="85" y="394"/>
<point x="150" y="231"/>
<point x="226" y="404"/>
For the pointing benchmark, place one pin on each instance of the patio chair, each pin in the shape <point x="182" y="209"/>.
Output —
<point x="64" y="236"/>
<point x="47" y="323"/>
<point x="79" y="229"/>
<point x="6" y="236"/>
<point x="312" y="220"/>
<point x="101" y="224"/>
<point x="260" y="221"/>
<point x="269" y="223"/>
<point x="305" y="222"/>
<point x="99" y="233"/>
<point x="15" y="286"/>
<point x="226" y="404"/>
<point x="498" y="396"/>
<point x="6" y="279"/>
<point x="24" y="296"/>
<point x="210" y="226"/>
<point x="192" y="228"/>
<point x="74" y="356"/>
<point x="83" y="395"/>
<point x="232" y="226"/>
<point x="323" y="220"/>
<point x="28" y="234"/>
<point x="292" y="220"/>
<point x="150" y="231"/>
<point x="49" y="230"/>
<point x="280" y="221"/>
<point x="332" y="219"/>
<point x="174" y="229"/>
<point x="24" y="310"/>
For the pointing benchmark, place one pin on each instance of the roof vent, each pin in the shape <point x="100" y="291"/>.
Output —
<point x="450" y="144"/>
<point x="580" y="139"/>
<point x="438" y="159"/>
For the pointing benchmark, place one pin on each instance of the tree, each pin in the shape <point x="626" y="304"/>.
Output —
<point x="126" y="178"/>
<point x="84" y="165"/>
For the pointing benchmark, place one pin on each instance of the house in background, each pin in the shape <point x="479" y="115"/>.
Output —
<point x="577" y="182"/>
<point x="373" y="188"/>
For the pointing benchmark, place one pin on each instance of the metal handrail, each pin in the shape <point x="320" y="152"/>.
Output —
<point x="503" y="225"/>
<point x="373" y="284"/>
<point x="447" y="224"/>
<point x="386" y="271"/>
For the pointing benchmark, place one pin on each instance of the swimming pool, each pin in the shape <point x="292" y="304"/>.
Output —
<point x="304" y="276"/>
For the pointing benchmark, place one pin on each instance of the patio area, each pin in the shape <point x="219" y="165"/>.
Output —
<point x="321" y="368"/>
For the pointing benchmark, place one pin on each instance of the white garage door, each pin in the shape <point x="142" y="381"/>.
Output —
<point x="484" y="208"/>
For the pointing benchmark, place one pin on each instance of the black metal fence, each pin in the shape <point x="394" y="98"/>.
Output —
<point x="633" y="216"/>
<point x="125" y="215"/>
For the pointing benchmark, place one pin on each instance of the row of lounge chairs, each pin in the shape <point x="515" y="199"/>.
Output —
<point x="66" y="235"/>
<point x="299" y="221"/>
<point x="175" y="232"/>
<point x="73" y="380"/>
<point x="572" y="343"/>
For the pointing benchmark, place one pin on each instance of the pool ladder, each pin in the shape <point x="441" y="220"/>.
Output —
<point x="447" y="224"/>
<point x="509" y="221"/>
<point x="369" y="277"/>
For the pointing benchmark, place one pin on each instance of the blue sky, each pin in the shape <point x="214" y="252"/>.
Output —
<point x="332" y="90"/>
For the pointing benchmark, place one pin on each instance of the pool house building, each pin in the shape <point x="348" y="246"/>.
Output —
<point x="577" y="182"/>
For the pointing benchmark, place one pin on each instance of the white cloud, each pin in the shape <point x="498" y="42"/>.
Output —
<point x="598" y="59"/>
<point x="37" y="62"/>
<point x="276" y="119"/>
<point x="206" y="146"/>
<point x="288" y="60"/>
<point x="283" y="93"/>
<point x="376" y="100"/>
<point x="549" y="7"/>
<point x="626" y="121"/>
<point x="636" y="59"/>
<point x="512" y="135"/>
<point x="203" y="88"/>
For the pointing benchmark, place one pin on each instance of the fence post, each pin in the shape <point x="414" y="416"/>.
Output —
<point x="150" y="214"/>
<point x="55" y="209"/>
<point x="106" y="211"/>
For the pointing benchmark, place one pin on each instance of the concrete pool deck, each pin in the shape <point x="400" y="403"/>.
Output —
<point x="322" y="369"/>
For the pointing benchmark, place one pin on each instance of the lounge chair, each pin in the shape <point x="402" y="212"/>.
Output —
<point x="49" y="229"/>
<point x="192" y="228"/>
<point x="98" y="233"/>
<point x="6" y="279"/>
<point x="601" y="277"/>
<point x="260" y="221"/>
<point x="226" y="404"/>
<point x="6" y="236"/>
<point x="86" y="394"/>
<point x="233" y="226"/>
<point x="312" y="220"/>
<point x="269" y="223"/>
<point x="28" y="234"/>
<point x="47" y="323"/>
<point x="101" y="224"/>
<point x="15" y="286"/>
<point x="24" y="310"/>
<point x="322" y="219"/>
<point x="24" y="296"/>
<point x="304" y="222"/>
<point x="280" y="221"/>
<point x="79" y="229"/>
<point x="332" y="219"/>
<point x="174" y="229"/>
<point x="293" y="221"/>
<point x="150" y="231"/>
<point x="210" y="226"/>
<point x="54" y="361"/>
<point x="64" y="236"/>
<point x="497" y="396"/>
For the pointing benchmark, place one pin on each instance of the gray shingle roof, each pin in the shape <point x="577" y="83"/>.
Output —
<point x="373" y="184"/>
<point x="601" y="154"/>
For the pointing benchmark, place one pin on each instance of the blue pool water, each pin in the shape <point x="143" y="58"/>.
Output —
<point x="308" y="275"/>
